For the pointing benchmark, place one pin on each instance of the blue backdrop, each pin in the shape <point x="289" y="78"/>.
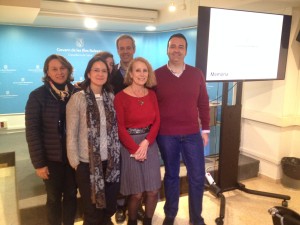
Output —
<point x="24" y="50"/>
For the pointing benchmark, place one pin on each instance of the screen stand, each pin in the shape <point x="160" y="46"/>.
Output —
<point x="227" y="179"/>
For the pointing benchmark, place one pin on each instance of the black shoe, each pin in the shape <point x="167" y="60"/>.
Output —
<point x="192" y="224"/>
<point x="120" y="215"/>
<point x="140" y="213"/>
<point x="168" y="221"/>
<point x="147" y="221"/>
<point x="108" y="222"/>
<point x="132" y="222"/>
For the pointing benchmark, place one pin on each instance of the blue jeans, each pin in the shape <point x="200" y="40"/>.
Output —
<point x="192" y="152"/>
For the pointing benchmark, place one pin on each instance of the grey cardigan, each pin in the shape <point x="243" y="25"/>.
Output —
<point x="77" y="132"/>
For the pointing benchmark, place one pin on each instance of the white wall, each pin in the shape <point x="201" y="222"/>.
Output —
<point x="271" y="113"/>
<point x="13" y="121"/>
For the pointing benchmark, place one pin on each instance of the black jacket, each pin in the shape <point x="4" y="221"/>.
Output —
<point x="117" y="81"/>
<point x="45" y="126"/>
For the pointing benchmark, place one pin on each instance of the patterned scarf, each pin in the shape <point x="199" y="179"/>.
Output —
<point x="97" y="178"/>
<point x="63" y="94"/>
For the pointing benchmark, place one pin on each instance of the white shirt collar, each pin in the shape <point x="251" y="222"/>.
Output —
<point x="176" y="74"/>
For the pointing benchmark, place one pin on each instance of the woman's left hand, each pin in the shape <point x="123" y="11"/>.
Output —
<point x="141" y="153"/>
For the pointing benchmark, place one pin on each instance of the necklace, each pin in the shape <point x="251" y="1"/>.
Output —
<point x="140" y="101"/>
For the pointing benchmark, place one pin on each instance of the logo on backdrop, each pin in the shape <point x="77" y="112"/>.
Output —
<point x="37" y="69"/>
<point x="22" y="82"/>
<point x="7" y="94"/>
<point x="5" y="69"/>
<point x="78" y="50"/>
<point x="79" y="42"/>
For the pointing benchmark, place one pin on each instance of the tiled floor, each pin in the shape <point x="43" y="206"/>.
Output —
<point x="241" y="208"/>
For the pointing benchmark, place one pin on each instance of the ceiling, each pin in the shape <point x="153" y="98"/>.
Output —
<point x="124" y="15"/>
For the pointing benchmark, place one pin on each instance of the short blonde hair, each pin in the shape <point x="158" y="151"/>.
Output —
<point x="151" y="81"/>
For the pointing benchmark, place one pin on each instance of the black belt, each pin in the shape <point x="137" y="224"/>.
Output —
<point x="134" y="131"/>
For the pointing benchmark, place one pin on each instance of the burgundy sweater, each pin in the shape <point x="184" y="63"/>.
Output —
<point x="182" y="101"/>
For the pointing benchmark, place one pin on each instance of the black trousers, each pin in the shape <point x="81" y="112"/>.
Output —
<point x="61" y="191"/>
<point x="93" y="215"/>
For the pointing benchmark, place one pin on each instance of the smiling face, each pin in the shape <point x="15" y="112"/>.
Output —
<point x="139" y="73"/>
<point x="126" y="50"/>
<point x="57" y="72"/>
<point x="98" y="75"/>
<point x="176" y="50"/>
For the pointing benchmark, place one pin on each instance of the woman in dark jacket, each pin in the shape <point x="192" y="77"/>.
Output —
<point x="45" y="117"/>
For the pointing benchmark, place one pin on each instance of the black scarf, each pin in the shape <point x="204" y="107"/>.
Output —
<point x="97" y="178"/>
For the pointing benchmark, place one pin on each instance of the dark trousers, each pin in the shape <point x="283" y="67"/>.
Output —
<point x="61" y="194"/>
<point x="93" y="215"/>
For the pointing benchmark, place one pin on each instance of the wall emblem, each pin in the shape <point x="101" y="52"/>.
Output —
<point x="79" y="42"/>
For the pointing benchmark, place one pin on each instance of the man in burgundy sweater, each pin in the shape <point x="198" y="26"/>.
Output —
<point x="182" y="99"/>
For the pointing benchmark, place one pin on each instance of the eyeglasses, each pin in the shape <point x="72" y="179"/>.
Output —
<point x="99" y="70"/>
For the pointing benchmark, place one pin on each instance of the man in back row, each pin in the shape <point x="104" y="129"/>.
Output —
<point x="182" y="99"/>
<point x="126" y="48"/>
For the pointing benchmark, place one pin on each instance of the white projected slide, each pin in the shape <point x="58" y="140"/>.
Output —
<point x="243" y="45"/>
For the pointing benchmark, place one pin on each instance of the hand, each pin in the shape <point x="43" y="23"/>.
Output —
<point x="43" y="173"/>
<point x="205" y="138"/>
<point x="77" y="84"/>
<point x="141" y="153"/>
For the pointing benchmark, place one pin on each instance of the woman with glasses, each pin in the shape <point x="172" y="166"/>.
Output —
<point x="93" y="144"/>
